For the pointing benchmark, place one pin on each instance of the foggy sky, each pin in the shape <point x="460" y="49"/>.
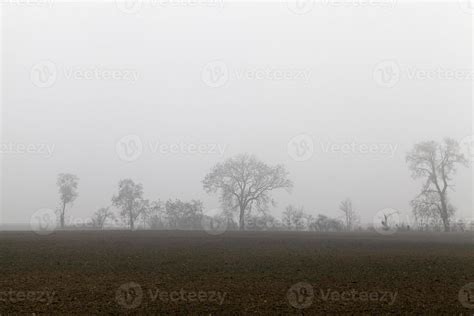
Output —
<point x="329" y="56"/>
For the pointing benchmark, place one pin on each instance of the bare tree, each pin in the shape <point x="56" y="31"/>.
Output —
<point x="67" y="185"/>
<point x="327" y="224"/>
<point x="436" y="163"/>
<point x="426" y="209"/>
<point x="294" y="218"/>
<point x="350" y="216"/>
<point x="154" y="215"/>
<point x="130" y="201"/>
<point x="244" y="182"/>
<point x="101" y="216"/>
<point x="184" y="215"/>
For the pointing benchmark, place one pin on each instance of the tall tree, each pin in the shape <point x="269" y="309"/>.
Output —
<point x="244" y="182"/>
<point x="349" y="215"/>
<point x="436" y="163"/>
<point x="67" y="184"/>
<point x="130" y="201"/>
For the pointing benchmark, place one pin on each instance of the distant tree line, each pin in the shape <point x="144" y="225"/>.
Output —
<point x="244" y="185"/>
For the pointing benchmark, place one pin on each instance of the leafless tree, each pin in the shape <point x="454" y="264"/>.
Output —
<point x="183" y="215"/>
<point x="154" y="216"/>
<point x="349" y="215"/>
<point x="436" y="163"/>
<point x="294" y="218"/>
<point x="426" y="209"/>
<point x="67" y="184"/>
<point x="245" y="182"/>
<point x="101" y="216"/>
<point x="130" y="201"/>
<point x="326" y="224"/>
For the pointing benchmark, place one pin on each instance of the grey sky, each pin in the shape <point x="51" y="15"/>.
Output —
<point x="283" y="74"/>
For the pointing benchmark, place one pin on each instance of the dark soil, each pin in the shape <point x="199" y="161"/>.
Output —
<point x="144" y="272"/>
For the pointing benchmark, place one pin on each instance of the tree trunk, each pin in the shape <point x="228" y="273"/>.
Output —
<point x="444" y="213"/>
<point x="61" y="216"/>
<point x="242" y="218"/>
<point x="132" y="224"/>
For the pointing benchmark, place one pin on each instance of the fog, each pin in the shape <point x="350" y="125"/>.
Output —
<point x="197" y="84"/>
